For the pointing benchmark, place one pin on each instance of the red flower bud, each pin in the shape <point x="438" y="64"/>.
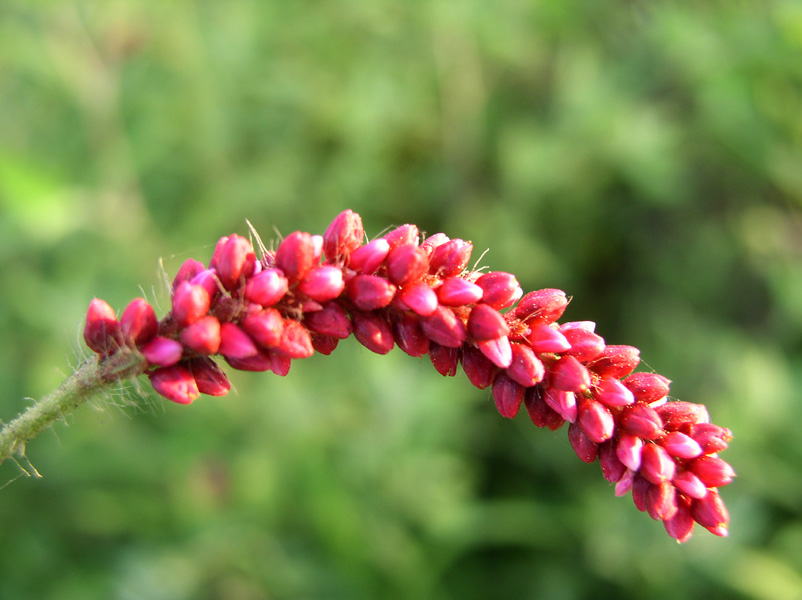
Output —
<point x="431" y="243"/>
<point x="713" y="471"/>
<point x="138" y="322"/>
<point x="477" y="367"/>
<point x="508" y="395"/>
<point x="656" y="465"/>
<point x="331" y="321"/>
<point x="208" y="280"/>
<point x="541" y="307"/>
<point x="689" y="484"/>
<point x="343" y="236"/>
<point x="628" y="449"/>
<point x="234" y="342"/>
<point x="612" y="467"/>
<point x="295" y="256"/>
<point x="640" y="487"/>
<point x="261" y="361"/>
<point x="234" y="260"/>
<point x="595" y="420"/>
<point x="407" y="264"/>
<point x="680" y="445"/>
<point x="641" y="419"/>
<point x="541" y="414"/>
<point x="409" y="336"/>
<point x="265" y="327"/>
<point x="325" y="344"/>
<point x="613" y="393"/>
<point x="680" y="526"/>
<point x="711" y="513"/>
<point x="162" y="351"/>
<point x="585" y="345"/>
<point x="209" y="378"/>
<point x="500" y="289"/>
<point x="486" y="323"/>
<point x="369" y="257"/>
<point x="190" y="303"/>
<point x="615" y="362"/>
<point x="449" y="258"/>
<point x="401" y="236"/>
<point x="444" y="359"/>
<point x="498" y="351"/>
<point x="323" y="283"/>
<point x="676" y="414"/>
<point x="203" y="336"/>
<point x="661" y="501"/>
<point x="370" y="292"/>
<point x="544" y="338"/>
<point x="187" y="271"/>
<point x="295" y="341"/>
<point x="175" y="383"/>
<point x="102" y="331"/>
<point x="585" y="448"/>
<point x="419" y="298"/>
<point x="266" y="288"/>
<point x="564" y="403"/>
<point x="711" y="438"/>
<point x="457" y="291"/>
<point x="647" y="387"/>
<point x="373" y="332"/>
<point x="526" y="367"/>
<point x="569" y="375"/>
<point x="444" y="327"/>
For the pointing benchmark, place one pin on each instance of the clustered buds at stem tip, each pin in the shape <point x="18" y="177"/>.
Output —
<point x="259" y="313"/>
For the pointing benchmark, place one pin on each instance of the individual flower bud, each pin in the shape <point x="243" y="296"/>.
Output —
<point x="486" y="323"/>
<point x="595" y="420"/>
<point x="500" y="289"/>
<point x="444" y="359"/>
<point x="541" y="307"/>
<point x="676" y="414"/>
<point x="259" y="362"/>
<point x="613" y="393"/>
<point x="615" y="362"/>
<point x="525" y="367"/>
<point x="175" y="383"/>
<point x="647" y="387"/>
<point x="450" y="258"/>
<point x="585" y="345"/>
<point x="640" y="488"/>
<point x="444" y="327"/>
<point x="641" y="419"/>
<point x="406" y="264"/>
<point x="680" y="526"/>
<point x="295" y="341"/>
<point x="589" y="326"/>
<point x="323" y="283"/>
<point x="431" y="243"/>
<point x="628" y="449"/>
<point x="190" y="303"/>
<point x="585" y="448"/>
<point x="498" y="351"/>
<point x="234" y="342"/>
<point x="343" y="236"/>
<point x="208" y="280"/>
<point x="569" y="375"/>
<point x="656" y="465"/>
<point x="612" y="467"/>
<point x="419" y="298"/>
<point x="546" y="339"/>
<point x="138" y="322"/>
<point x="369" y="257"/>
<point x="325" y="344"/>
<point x="711" y="513"/>
<point x="102" y="330"/>
<point x="680" y="445"/>
<point x="210" y="379"/>
<point x="373" y="332"/>
<point x="689" y="484"/>
<point x="711" y="438"/>
<point x="279" y="363"/>
<point x="266" y="288"/>
<point x="370" y="292"/>
<point x="564" y="403"/>
<point x="331" y="320"/>
<point x="187" y="271"/>
<point x="409" y="336"/>
<point x="713" y="471"/>
<point x="508" y="395"/>
<point x="479" y="369"/>
<point x="541" y="414"/>
<point x="457" y="291"/>
<point x="295" y="256"/>
<point x="625" y="484"/>
<point x="162" y="351"/>
<point x="203" y="336"/>
<point x="234" y="260"/>
<point x="265" y="327"/>
<point x="317" y="244"/>
<point x="402" y="236"/>
<point x="217" y="249"/>
<point x="661" y="501"/>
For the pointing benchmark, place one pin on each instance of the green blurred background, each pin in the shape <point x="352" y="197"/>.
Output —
<point x="646" y="157"/>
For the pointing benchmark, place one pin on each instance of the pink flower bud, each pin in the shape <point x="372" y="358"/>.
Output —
<point x="689" y="484"/>
<point x="546" y="339"/>
<point x="680" y="526"/>
<point x="711" y="438"/>
<point x="444" y="359"/>
<point x="477" y="367"/>
<point x="625" y="483"/>
<point x="261" y="361"/>
<point x="407" y="264"/>
<point x="373" y="332"/>
<point x="713" y="471"/>
<point x="102" y="330"/>
<point x="457" y="291"/>
<point x="656" y="465"/>
<point x="190" y="303"/>
<point x="444" y="327"/>
<point x="162" y="351"/>
<point x="541" y="414"/>
<point x="266" y="288"/>
<point x="331" y="321"/>
<point x="612" y="467"/>
<point x="370" y="292"/>
<point x="325" y="344"/>
<point x="711" y="513"/>
<point x="661" y="501"/>
<point x="265" y="327"/>
<point x="680" y="445"/>
<point x="612" y="393"/>
<point x="541" y="307"/>
<point x="409" y="336"/>
<point x="401" y="236"/>
<point x="585" y="448"/>
<point x="295" y="341"/>
<point x="508" y="395"/>
<point x="641" y="419"/>
<point x="175" y="383"/>
<point x="585" y="345"/>
<point x="317" y="244"/>
<point x="595" y="420"/>
<point x="589" y="326"/>
<point x="187" y="271"/>
<point x="419" y="298"/>
<point x="234" y="342"/>
<point x="676" y="414"/>
<point x="343" y="236"/>
<point x="449" y="258"/>
<point x="369" y="257"/>
<point x="486" y="323"/>
<point x="234" y="260"/>
<point x="138" y="322"/>
<point x="209" y="378"/>
<point x="498" y="351"/>
<point x="500" y="289"/>
<point x="615" y="362"/>
<point x="647" y="387"/>
<point x="208" y="280"/>
<point x="203" y="336"/>
<point x="431" y="243"/>
<point x="563" y="403"/>
<point x="628" y="449"/>
<point x="525" y="367"/>
<point x="569" y="375"/>
<point x="323" y="283"/>
<point x="295" y="256"/>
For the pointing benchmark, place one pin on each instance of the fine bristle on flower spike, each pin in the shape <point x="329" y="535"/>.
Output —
<point x="259" y="313"/>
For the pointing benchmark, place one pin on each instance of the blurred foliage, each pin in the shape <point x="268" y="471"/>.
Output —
<point x="644" y="156"/>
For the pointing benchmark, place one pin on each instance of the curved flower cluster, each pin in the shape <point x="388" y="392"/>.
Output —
<point x="260" y="312"/>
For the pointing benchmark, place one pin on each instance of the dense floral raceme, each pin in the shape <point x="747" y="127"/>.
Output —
<point x="260" y="312"/>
